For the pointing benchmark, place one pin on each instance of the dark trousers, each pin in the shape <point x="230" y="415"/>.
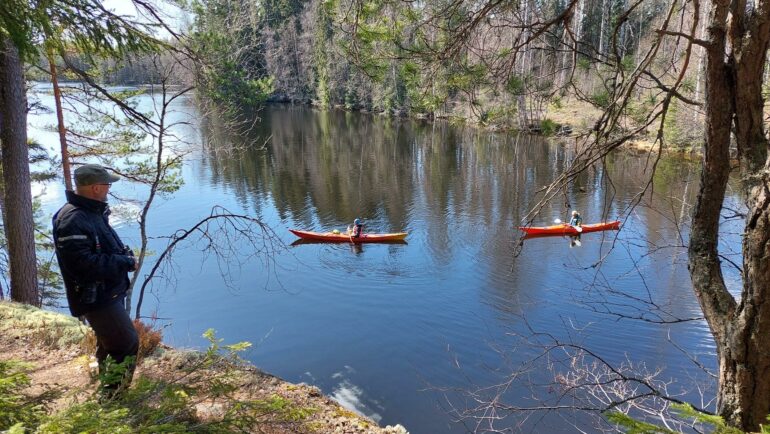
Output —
<point x="115" y="335"/>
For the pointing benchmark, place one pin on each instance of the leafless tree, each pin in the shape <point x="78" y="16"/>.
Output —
<point x="232" y="239"/>
<point x="564" y="377"/>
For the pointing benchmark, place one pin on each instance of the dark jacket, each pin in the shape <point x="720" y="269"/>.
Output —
<point x="90" y="253"/>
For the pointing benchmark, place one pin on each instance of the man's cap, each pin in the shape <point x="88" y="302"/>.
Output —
<point x="90" y="174"/>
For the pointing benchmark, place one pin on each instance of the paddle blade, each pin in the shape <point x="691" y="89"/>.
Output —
<point x="579" y="229"/>
<point x="557" y="221"/>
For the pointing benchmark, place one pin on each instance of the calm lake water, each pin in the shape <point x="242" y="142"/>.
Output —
<point x="400" y="332"/>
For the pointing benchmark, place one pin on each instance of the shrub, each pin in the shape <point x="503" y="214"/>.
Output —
<point x="148" y="407"/>
<point x="88" y="343"/>
<point x="16" y="408"/>
<point x="600" y="99"/>
<point x="149" y="339"/>
<point x="548" y="127"/>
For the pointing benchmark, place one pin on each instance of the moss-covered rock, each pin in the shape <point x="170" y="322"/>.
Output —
<point x="45" y="327"/>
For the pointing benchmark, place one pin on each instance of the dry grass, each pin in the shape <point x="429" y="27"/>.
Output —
<point x="582" y="116"/>
<point x="579" y="114"/>
<point x="149" y="339"/>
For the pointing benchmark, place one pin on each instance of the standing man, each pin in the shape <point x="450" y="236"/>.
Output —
<point x="94" y="264"/>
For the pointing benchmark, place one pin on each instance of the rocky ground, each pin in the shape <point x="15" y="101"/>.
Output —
<point x="59" y="349"/>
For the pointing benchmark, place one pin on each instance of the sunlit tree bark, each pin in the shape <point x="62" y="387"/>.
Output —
<point x="65" y="158"/>
<point x="736" y="55"/>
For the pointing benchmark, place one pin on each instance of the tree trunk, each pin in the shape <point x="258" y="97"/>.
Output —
<point x="716" y="302"/>
<point x="18" y="193"/>
<point x="744" y="362"/>
<point x="601" y="30"/>
<point x="703" y="18"/>
<point x="733" y="98"/>
<point x="744" y="393"/>
<point x="159" y="173"/>
<point x="65" y="156"/>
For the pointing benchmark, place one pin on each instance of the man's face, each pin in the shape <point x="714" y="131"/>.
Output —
<point x="100" y="191"/>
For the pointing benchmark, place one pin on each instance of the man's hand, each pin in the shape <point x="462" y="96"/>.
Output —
<point x="130" y="254"/>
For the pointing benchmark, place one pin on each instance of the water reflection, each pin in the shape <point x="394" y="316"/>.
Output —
<point x="337" y="167"/>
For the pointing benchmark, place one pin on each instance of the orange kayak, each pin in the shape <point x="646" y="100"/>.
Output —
<point x="331" y="237"/>
<point x="565" y="229"/>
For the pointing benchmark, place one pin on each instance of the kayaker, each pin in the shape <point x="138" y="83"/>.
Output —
<point x="576" y="220"/>
<point x="358" y="228"/>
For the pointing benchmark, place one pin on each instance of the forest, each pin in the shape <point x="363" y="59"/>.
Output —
<point x="502" y="65"/>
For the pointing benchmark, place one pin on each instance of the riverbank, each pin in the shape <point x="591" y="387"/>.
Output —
<point x="569" y="119"/>
<point x="213" y="387"/>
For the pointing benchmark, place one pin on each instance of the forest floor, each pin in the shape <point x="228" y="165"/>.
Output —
<point x="58" y="348"/>
<point x="581" y="116"/>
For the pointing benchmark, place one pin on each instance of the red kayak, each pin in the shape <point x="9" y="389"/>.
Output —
<point x="565" y="229"/>
<point x="332" y="237"/>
